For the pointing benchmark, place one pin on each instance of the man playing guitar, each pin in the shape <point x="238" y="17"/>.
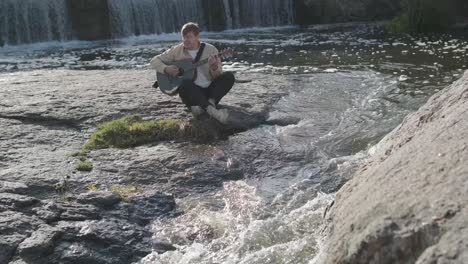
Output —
<point x="210" y="84"/>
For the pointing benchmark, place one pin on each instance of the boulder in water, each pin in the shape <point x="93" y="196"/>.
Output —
<point x="408" y="204"/>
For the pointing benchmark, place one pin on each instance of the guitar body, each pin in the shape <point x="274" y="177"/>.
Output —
<point x="169" y="84"/>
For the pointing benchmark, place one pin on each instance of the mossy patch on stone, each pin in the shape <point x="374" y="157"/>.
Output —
<point x="132" y="131"/>
<point x="92" y="188"/>
<point x="125" y="192"/>
<point x="85" y="166"/>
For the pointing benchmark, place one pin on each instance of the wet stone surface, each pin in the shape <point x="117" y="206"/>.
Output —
<point x="54" y="213"/>
<point x="304" y="104"/>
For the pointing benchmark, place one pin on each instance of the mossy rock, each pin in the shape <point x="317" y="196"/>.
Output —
<point x="126" y="192"/>
<point x="85" y="166"/>
<point x="132" y="131"/>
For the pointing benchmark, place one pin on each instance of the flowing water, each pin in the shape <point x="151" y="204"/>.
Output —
<point x="353" y="83"/>
<point x="26" y="21"/>
<point x="31" y="21"/>
<point x="139" y="17"/>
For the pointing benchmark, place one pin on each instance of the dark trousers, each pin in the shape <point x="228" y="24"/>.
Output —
<point x="192" y="94"/>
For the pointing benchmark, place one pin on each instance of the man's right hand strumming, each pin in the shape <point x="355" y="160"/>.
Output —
<point x="172" y="70"/>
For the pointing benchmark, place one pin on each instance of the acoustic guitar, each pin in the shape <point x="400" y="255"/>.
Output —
<point x="187" y="70"/>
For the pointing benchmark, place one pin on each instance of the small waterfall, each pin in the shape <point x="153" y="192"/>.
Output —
<point x="27" y="21"/>
<point x="261" y="13"/>
<point x="139" y="17"/>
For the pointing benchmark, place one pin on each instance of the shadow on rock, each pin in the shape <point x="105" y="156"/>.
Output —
<point x="239" y="120"/>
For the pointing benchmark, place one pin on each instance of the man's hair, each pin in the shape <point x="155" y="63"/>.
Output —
<point x="190" y="27"/>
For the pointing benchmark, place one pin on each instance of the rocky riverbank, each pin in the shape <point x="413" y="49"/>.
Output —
<point x="52" y="213"/>
<point x="408" y="204"/>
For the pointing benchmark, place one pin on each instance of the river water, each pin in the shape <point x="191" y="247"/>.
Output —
<point x="353" y="84"/>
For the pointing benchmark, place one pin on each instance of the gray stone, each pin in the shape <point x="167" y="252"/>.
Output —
<point x="8" y="245"/>
<point x="16" y="201"/>
<point x="71" y="211"/>
<point x="408" y="204"/>
<point x="144" y="208"/>
<point x="13" y="187"/>
<point x="103" y="241"/>
<point x="48" y="212"/>
<point x="14" y="228"/>
<point x="39" y="244"/>
<point x="77" y="212"/>
<point x="101" y="199"/>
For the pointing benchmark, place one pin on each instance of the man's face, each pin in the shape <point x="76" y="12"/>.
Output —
<point x="191" y="41"/>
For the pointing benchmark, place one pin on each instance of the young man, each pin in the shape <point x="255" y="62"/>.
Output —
<point x="211" y="83"/>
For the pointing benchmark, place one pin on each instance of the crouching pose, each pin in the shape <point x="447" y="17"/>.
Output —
<point x="210" y="84"/>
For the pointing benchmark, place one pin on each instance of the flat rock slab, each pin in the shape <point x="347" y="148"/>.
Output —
<point x="52" y="213"/>
<point x="53" y="113"/>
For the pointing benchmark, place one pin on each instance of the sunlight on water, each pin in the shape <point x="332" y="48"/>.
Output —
<point x="245" y="229"/>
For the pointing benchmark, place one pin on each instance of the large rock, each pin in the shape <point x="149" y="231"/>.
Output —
<point x="39" y="244"/>
<point x="49" y="114"/>
<point x="14" y="228"/>
<point x="409" y="204"/>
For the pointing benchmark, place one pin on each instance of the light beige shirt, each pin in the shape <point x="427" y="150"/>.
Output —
<point x="201" y="79"/>
<point x="178" y="52"/>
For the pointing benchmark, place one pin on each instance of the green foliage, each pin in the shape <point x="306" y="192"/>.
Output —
<point x="125" y="192"/>
<point x="423" y="16"/>
<point x="82" y="154"/>
<point x="131" y="131"/>
<point x="85" y="166"/>
<point x="92" y="188"/>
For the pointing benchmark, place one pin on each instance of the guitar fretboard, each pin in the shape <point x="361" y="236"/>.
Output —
<point x="201" y="62"/>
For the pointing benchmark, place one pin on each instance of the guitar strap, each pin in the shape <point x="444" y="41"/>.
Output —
<point x="199" y="53"/>
<point x="197" y="58"/>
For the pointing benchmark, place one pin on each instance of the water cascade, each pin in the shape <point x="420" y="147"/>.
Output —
<point x="139" y="17"/>
<point x="29" y="21"/>
<point x="26" y="21"/>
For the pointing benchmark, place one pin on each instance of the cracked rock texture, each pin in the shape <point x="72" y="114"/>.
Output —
<point x="52" y="213"/>
<point x="409" y="204"/>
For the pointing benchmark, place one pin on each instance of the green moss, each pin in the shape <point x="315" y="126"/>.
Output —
<point x="79" y="154"/>
<point x="125" y="192"/>
<point x="85" y="166"/>
<point x="131" y="131"/>
<point x="92" y="188"/>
